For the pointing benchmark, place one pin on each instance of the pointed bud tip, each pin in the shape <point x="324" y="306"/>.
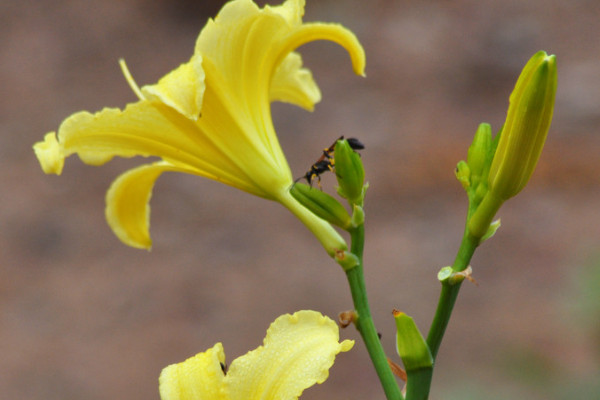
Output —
<point x="349" y="170"/>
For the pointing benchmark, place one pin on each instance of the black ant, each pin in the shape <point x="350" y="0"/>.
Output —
<point x="327" y="162"/>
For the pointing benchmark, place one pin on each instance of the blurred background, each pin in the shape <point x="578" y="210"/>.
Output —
<point x="82" y="316"/>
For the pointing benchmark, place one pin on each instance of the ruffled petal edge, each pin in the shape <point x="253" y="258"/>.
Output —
<point x="297" y="352"/>
<point x="197" y="378"/>
<point x="50" y="154"/>
<point x="182" y="89"/>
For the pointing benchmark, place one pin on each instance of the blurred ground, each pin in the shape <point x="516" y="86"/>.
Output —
<point x="84" y="317"/>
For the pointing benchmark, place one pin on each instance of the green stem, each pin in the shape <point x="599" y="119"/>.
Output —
<point x="418" y="383"/>
<point x="481" y="216"/>
<point x="364" y="322"/>
<point x="449" y="294"/>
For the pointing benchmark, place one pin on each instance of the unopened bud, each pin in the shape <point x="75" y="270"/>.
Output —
<point x="410" y="344"/>
<point x="321" y="204"/>
<point x="463" y="174"/>
<point x="350" y="172"/>
<point x="480" y="154"/>
<point x="526" y="127"/>
<point x="521" y="139"/>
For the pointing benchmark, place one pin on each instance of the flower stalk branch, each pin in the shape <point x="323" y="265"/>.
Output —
<point x="364" y="322"/>
<point x="449" y="294"/>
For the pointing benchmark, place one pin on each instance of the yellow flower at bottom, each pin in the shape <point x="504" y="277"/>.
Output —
<point x="209" y="117"/>
<point x="297" y="352"/>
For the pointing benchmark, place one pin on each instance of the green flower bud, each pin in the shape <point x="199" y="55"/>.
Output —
<point x="463" y="174"/>
<point x="521" y="140"/>
<point x="321" y="204"/>
<point x="526" y="127"/>
<point x="350" y="172"/>
<point x="410" y="344"/>
<point x="480" y="153"/>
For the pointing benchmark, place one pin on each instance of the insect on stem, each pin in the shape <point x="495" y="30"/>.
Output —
<point x="327" y="161"/>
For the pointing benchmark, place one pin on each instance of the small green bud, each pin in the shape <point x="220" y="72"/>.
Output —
<point x="463" y="174"/>
<point x="480" y="153"/>
<point x="350" y="172"/>
<point x="526" y="127"/>
<point x="410" y="344"/>
<point x="321" y="204"/>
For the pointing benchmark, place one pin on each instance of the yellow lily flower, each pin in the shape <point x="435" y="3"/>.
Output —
<point x="297" y="352"/>
<point x="209" y="117"/>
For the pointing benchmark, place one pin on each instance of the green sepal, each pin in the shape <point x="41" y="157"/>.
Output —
<point x="445" y="274"/>
<point x="347" y="259"/>
<point x="463" y="174"/>
<point x="358" y="216"/>
<point x="350" y="173"/>
<point x="322" y="205"/>
<point x="494" y="226"/>
<point x="449" y="276"/>
<point x="410" y="344"/>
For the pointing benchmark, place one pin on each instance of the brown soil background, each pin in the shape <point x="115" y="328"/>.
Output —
<point x="84" y="317"/>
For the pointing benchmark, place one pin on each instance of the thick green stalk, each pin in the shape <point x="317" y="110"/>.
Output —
<point x="418" y="383"/>
<point x="364" y="322"/>
<point x="449" y="293"/>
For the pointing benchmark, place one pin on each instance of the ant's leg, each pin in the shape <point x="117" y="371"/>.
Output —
<point x="319" y="182"/>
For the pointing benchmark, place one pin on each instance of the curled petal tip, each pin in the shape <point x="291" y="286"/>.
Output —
<point x="127" y="204"/>
<point x="50" y="154"/>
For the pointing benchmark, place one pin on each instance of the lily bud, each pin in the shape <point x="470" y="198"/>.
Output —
<point x="480" y="154"/>
<point x="410" y="344"/>
<point x="521" y="139"/>
<point x="350" y="172"/>
<point x="526" y="127"/>
<point x="321" y="204"/>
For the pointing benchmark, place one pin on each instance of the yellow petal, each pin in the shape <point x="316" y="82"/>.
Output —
<point x="127" y="203"/>
<point x="146" y="129"/>
<point x="197" y="378"/>
<point x="181" y="89"/>
<point x="297" y="352"/>
<point x="50" y="154"/>
<point x="332" y="32"/>
<point x="294" y="84"/>
<point x="235" y="47"/>
<point x="246" y="55"/>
